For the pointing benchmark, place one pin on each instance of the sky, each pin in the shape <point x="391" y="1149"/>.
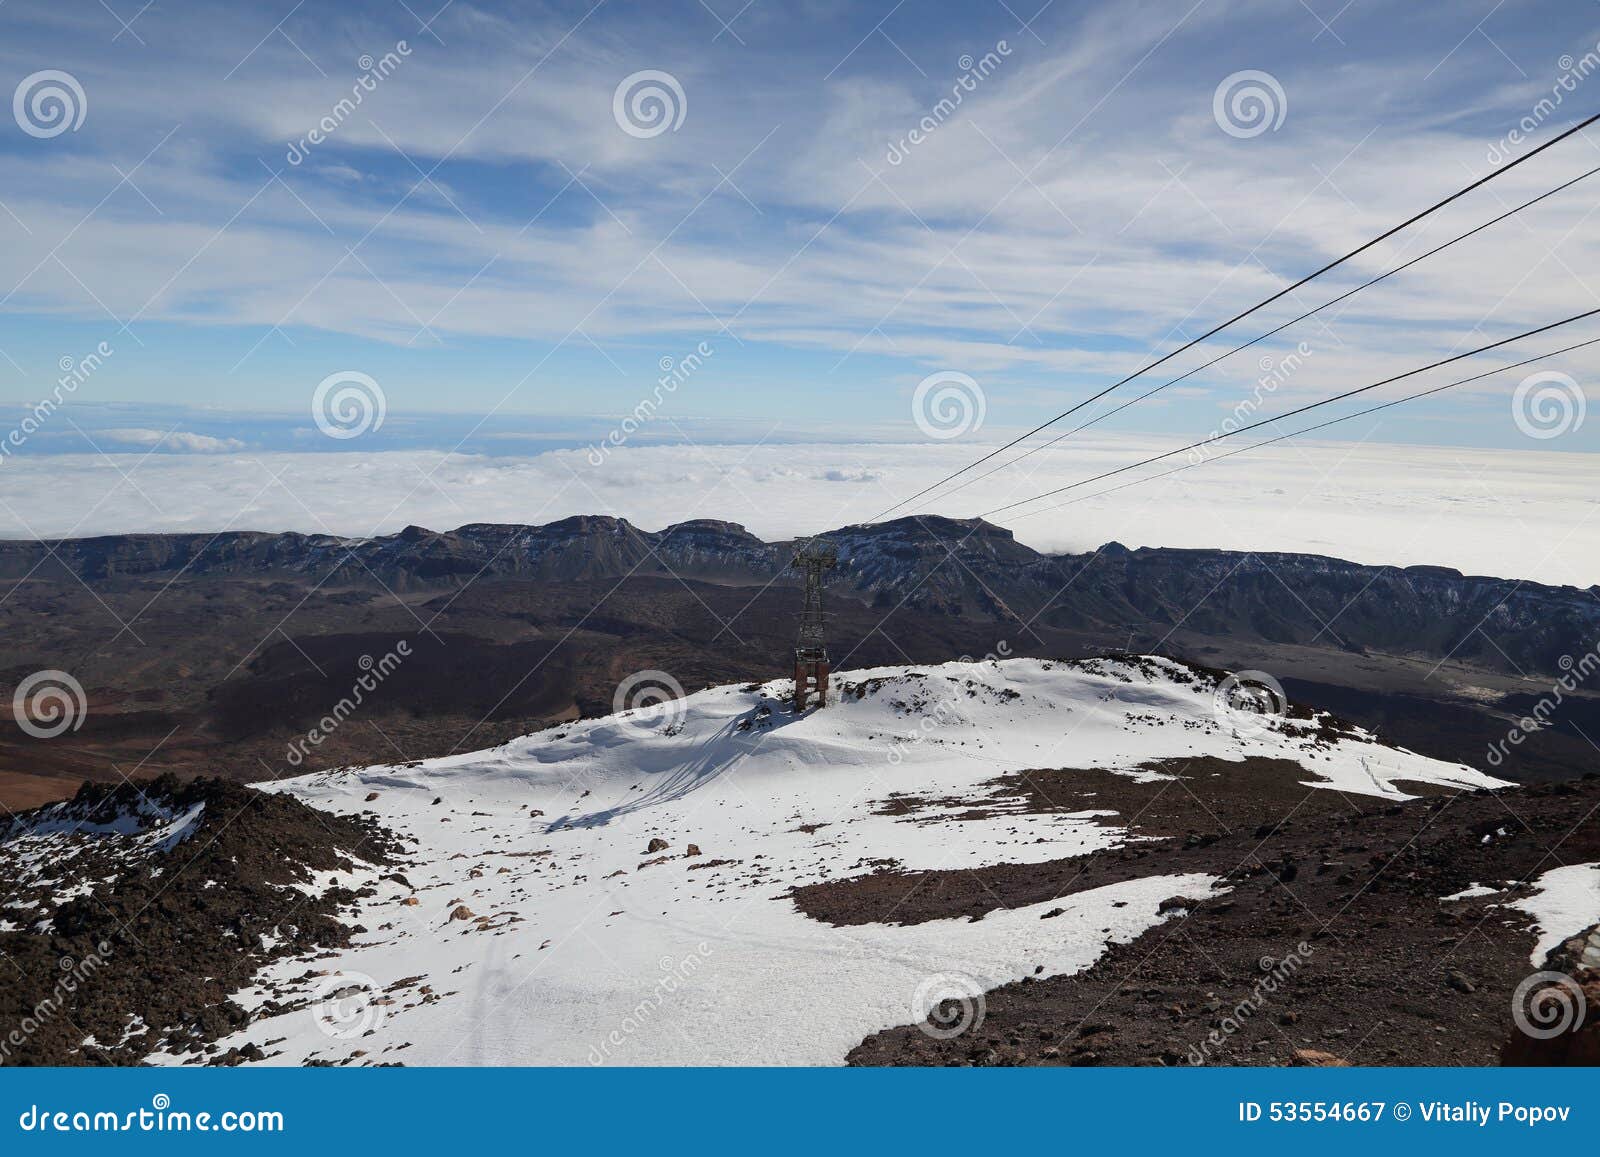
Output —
<point x="515" y="230"/>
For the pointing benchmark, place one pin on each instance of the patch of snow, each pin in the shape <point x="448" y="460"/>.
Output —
<point x="168" y="835"/>
<point x="1566" y="901"/>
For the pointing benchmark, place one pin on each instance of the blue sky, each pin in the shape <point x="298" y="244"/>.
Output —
<point x="483" y="237"/>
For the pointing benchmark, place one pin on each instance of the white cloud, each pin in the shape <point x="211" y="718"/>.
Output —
<point x="175" y="440"/>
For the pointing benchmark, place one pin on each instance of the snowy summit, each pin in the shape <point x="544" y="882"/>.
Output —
<point x="619" y="890"/>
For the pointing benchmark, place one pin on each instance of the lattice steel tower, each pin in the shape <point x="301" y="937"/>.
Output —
<point x="811" y="650"/>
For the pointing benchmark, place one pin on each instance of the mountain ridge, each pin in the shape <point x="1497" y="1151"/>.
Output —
<point x="961" y="568"/>
<point x="155" y="551"/>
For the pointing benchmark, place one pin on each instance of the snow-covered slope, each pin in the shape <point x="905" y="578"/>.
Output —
<point x="539" y="922"/>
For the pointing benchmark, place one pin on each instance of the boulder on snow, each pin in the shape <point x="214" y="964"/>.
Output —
<point x="657" y="844"/>
<point x="692" y="850"/>
<point x="461" y="912"/>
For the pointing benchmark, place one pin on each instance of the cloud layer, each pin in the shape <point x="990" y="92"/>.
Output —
<point x="1525" y="515"/>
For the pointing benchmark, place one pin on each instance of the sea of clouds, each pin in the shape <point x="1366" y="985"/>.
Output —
<point x="1516" y="514"/>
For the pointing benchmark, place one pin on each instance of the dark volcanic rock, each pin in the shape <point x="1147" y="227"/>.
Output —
<point x="155" y="937"/>
<point x="939" y="566"/>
